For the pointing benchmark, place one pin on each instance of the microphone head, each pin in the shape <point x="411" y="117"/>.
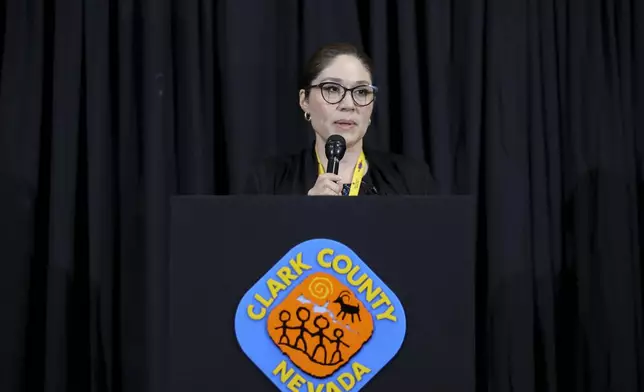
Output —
<point x="335" y="147"/>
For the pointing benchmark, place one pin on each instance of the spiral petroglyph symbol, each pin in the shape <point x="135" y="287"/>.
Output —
<point x="321" y="288"/>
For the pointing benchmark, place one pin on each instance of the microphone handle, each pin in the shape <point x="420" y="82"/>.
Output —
<point x="333" y="166"/>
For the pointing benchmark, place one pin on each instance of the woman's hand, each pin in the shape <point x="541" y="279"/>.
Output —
<point x="327" y="184"/>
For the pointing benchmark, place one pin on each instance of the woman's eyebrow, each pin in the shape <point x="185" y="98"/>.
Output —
<point x="337" y="80"/>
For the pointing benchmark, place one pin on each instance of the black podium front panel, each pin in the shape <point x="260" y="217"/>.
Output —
<point x="268" y="293"/>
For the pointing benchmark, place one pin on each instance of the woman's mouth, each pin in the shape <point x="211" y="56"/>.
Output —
<point x="345" y="124"/>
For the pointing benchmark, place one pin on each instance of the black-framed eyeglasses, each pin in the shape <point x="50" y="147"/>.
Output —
<point x="334" y="93"/>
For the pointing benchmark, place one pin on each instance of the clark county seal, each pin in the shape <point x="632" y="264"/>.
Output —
<point x="320" y="320"/>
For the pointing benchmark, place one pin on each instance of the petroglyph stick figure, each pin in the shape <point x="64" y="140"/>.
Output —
<point x="321" y="323"/>
<point x="285" y="316"/>
<point x="303" y="314"/>
<point x="338" y="333"/>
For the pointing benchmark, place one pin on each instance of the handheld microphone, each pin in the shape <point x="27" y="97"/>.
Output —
<point x="334" y="149"/>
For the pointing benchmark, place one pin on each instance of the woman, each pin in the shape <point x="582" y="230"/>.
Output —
<point x="337" y="97"/>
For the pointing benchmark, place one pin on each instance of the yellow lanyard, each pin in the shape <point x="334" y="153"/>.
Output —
<point x="358" y="173"/>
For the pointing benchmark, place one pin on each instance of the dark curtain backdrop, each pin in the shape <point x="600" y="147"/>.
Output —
<point x="108" y="108"/>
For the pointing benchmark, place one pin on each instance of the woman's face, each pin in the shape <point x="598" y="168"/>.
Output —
<point x="345" y="117"/>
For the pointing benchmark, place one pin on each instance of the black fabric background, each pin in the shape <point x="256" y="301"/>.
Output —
<point x="108" y="108"/>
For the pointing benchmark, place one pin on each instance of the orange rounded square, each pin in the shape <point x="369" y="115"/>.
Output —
<point x="320" y="325"/>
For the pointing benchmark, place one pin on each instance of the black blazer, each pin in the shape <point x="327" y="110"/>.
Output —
<point x="388" y="174"/>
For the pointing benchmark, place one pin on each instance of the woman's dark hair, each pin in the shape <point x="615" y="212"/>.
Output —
<point x="326" y="54"/>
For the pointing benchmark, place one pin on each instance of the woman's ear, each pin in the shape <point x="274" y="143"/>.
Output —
<point x="304" y="101"/>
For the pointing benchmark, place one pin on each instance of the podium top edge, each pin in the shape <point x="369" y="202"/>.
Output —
<point x="387" y="197"/>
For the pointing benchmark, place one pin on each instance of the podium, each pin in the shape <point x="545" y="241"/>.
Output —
<point x="224" y="250"/>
